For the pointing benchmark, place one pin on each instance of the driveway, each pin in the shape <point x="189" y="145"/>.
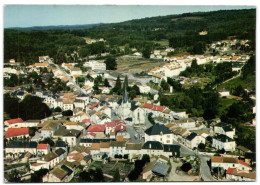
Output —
<point x="180" y="176"/>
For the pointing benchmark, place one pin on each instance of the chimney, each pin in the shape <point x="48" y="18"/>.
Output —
<point x="150" y="146"/>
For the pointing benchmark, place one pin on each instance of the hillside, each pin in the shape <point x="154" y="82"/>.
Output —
<point x="178" y="31"/>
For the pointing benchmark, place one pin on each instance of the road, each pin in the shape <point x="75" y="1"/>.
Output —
<point x="180" y="176"/>
<point x="229" y="78"/>
<point x="204" y="168"/>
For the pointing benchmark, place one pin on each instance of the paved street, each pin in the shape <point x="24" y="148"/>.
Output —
<point x="180" y="176"/>
<point x="204" y="168"/>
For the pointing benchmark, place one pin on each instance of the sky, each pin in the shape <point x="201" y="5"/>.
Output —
<point x="53" y="15"/>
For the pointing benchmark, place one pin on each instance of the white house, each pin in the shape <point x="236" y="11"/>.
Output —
<point x="43" y="149"/>
<point x="159" y="133"/>
<point x="224" y="142"/>
<point x="193" y="140"/>
<point x="225" y="129"/>
<point x="223" y="92"/>
<point x="229" y="162"/>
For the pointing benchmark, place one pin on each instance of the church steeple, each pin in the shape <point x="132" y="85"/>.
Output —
<point x="125" y="98"/>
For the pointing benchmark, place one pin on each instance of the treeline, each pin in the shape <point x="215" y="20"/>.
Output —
<point x="31" y="107"/>
<point x="180" y="30"/>
<point x="221" y="71"/>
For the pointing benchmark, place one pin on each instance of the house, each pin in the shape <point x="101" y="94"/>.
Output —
<point x="242" y="150"/>
<point x="17" y="147"/>
<point x="68" y="104"/>
<point x="229" y="162"/>
<point x="159" y="133"/>
<point x="147" y="171"/>
<point x="133" y="150"/>
<point x="117" y="147"/>
<point x="223" y="92"/>
<point x="97" y="129"/>
<point x="17" y="133"/>
<point x="154" y="148"/>
<point x="43" y="149"/>
<point x="59" y="174"/>
<point x="186" y="123"/>
<point x="224" y="142"/>
<point x="61" y="144"/>
<point x="49" y="129"/>
<point x="51" y="159"/>
<point x="30" y="123"/>
<point x="160" y="169"/>
<point x="72" y="137"/>
<point x="233" y="174"/>
<point x="37" y="166"/>
<point x="61" y="153"/>
<point x="193" y="140"/>
<point x="225" y="129"/>
<point x="13" y="122"/>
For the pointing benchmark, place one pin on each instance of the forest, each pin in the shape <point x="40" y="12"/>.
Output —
<point x="181" y="31"/>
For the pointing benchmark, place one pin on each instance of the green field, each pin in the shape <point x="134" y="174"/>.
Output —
<point x="224" y="103"/>
<point x="249" y="82"/>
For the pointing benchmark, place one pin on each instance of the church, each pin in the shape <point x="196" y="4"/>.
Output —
<point x="129" y="112"/>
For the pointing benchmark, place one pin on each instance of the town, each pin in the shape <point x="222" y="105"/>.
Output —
<point x="100" y="118"/>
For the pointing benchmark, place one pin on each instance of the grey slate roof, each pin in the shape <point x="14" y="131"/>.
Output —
<point x="226" y="127"/>
<point x="60" y="143"/>
<point x="153" y="145"/>
<point x="191" y="136"/>
<point x="160" y="169"/>
<point x="156" y="129"/>
<point x="21" y="144"/>
<point x="60" y="151"/>
<point x="95" y="140"/>
<point x="171" y="148"/>
<point x="223" y="138"/>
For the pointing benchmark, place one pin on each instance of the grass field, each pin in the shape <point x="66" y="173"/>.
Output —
<point x="129" y="64"/>
<point x="249" y="82"/>
<point x="224" y="103"/>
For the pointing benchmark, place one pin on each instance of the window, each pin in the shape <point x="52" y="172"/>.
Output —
<point x="168" y="141"/>
<point x="168" y="136"/>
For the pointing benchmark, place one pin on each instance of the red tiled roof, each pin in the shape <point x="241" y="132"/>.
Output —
<point x="13" y="132"/>
<point x="93" y="106"/>
<point x="159" y="108"/>
<point x="86" y="120"/>
<point x="37" y="164"/>
<point x="96" y="128"/>
<point x="111" y="124"/>
<point x="42" y="146"/>
<point x="16" y="120"/>
<point x="154" y="107"/>
<point x="230" y="170"/>
<point x="216" y="159"/>
<point x="243" y="163"/>
<point x="148" y="106"/>
<point x="120" y="127"/>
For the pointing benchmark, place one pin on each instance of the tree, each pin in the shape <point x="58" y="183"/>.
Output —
<point x="98" y="175"/>
<point x="201" y="146"/>
<point x="117" y="88"/>
<point x="116" y="177"/>
<point x="67" y="113"/>
<point x="146" y="158"/>
<point x="186" y="167"/>
<point x="125" y="85"/>
<point x="106" y="83"/>
<point x="146" y="52"/>
<point x="47" y="140"/>
<point x="57" y="109"/>
<point x="136" y="89"/>
<point x="111" y="63"/>
<point x="31" y="107"/>
<point x="38" y="175"/>
<point x="164" y="85"/>
<point x="84" y="177"/>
